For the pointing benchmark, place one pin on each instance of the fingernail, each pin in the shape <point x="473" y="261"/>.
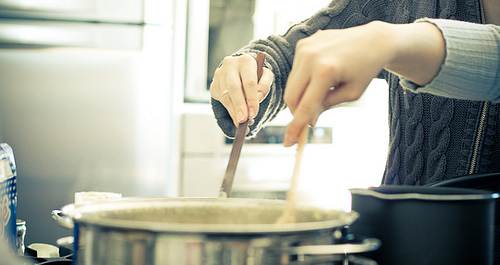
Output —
<point x="240" y="117"/>
<point x="288" y="140"/>
<point x="251" y="112"/>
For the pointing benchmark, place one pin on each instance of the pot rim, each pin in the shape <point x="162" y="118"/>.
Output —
<point x="396" y="192"/>
<point x="86" y="215"/>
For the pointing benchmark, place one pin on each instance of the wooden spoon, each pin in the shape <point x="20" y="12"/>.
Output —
<point x="227" y="183"/>
<point x="288" y="215"/>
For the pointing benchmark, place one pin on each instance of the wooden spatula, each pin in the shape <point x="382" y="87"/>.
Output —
<point x="288" y="215"/>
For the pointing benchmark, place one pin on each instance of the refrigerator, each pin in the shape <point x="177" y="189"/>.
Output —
<point x="89" y="91"/>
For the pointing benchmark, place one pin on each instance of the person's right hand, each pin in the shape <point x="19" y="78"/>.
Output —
<point x="235" y="86"/>
<point x="337" y="65"/>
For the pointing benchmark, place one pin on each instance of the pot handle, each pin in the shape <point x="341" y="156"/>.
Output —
<point x="349" y="259"/>
<point x="487" y="181"/>
<point x="63" y="219"/>
<point x="368" y="244"/>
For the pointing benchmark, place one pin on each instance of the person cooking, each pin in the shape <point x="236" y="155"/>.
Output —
<point x="441" y="60"/>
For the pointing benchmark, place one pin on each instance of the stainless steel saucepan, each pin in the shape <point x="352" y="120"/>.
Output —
<point x="205" y="231"/>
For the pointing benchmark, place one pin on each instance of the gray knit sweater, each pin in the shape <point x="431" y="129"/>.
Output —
<point x="434" y="135"/>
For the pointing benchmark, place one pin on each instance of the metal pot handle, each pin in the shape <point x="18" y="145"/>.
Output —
<point x="489" y="181"/>
<point x="368" y="244"/>
<point x="349" y="259"/>
<point x="63" y="219"/>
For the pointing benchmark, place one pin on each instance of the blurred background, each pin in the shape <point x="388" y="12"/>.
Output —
<point x="112" y="96"/>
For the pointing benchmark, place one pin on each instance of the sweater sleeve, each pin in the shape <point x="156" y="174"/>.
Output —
<point x="280" y="49"/>
<point x="471" y="69"/>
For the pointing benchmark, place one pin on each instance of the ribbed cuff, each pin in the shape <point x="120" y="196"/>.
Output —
<point x="471" y="67"/>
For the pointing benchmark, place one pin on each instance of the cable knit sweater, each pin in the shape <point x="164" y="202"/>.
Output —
<point x="446" y="129"/>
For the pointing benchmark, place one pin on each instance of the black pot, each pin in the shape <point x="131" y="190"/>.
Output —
<point x="427" y="225"/>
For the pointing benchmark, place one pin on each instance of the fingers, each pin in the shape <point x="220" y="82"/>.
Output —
<point x="310" y="106"/>
<point x="328" y="70"/>
<point x="254" y="97"/>
<point x="308" y="87"/>
<point x="248" y="75"/>
<point x="223" y="98"/>
<point x="346" y="93"/>
<point x="264" y="85"/>
<point x="220" y="91"/>
<point x="228" y="84"/>
<point x="235" y="85"/>
<point x="298" y="80"/>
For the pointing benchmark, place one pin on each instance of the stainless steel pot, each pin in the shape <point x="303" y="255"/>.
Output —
<point x="210" y="231"/>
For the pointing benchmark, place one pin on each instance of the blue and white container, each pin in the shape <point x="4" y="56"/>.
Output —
<point x="8" y="196"/>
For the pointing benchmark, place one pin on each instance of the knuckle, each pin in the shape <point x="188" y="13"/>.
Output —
<point x="249" y="84"/>
<point x="251" y="98"/>
<point x="352" y="96"/>
<point x="233" y="87"/>
<point x="228" y="60"/>
<point x="306" y="109"/>
<point x="325" y="69"/>
<point x="218" y="72"/>
<point x="245" y="59"/>
<point x="304" y="48"/>
<point x="240" y="105"/>
<point x="237" y="60"/>
<point x="301" y="44"/>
